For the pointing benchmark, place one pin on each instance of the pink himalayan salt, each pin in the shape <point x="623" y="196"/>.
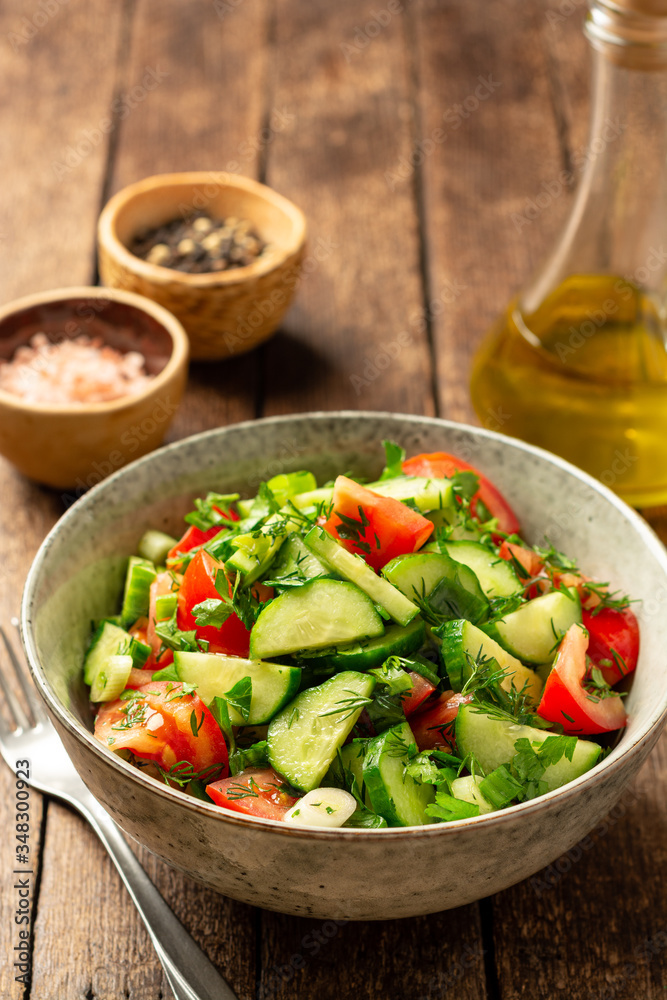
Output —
<point x="72" y="371"/>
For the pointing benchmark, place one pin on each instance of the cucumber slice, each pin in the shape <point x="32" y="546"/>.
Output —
<point x="136" y="599"/>
<point x="155" y="546"/>
<point x="321" y="613"/>
<point x="463" y="643"/>
<point x="286" y="485"/>
<point x="349" y="758"/>
<point x="295" y="560"/>
<point x="533" y="631"/>
<point x="451" y="588"/>
<point x="492" y="741"/>
<point x="252" y="554"/>
<point x="112" y="678"/>
<point x="496" y="576"/>
<point x="396" y="641"/>
<point x="108" y="640"/>
<point x="354" y="569"/>
<point x="428" y="494"/>
<point x="393" y="794"/>
<point x="303" y="738"/>
<point x="467" y="789"/>
<point x="213" y="674"/>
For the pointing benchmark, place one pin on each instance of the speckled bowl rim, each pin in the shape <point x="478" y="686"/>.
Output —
<point x="614" y="762"/>
<point x="180" y="348"/>
<point x="109" y="239"/>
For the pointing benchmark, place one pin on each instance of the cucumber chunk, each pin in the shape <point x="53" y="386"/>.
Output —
<point x="111" y="679"/>
<point x="496" y="576"/>
<point x="492" y="741"/>
<point x="428" y="494"/>
<point x="252" y="554"/>
<point x="303" y="738"/>
<point x="532" y="633"/>
<point x="396" y="641"/>
<point x="393" y="794"/>
<point x="467" y="789"/>
<point x="108" y="640"/>
<point x="451" y="588"/>
<point x="155" y="546"/>
<point x="356" y="570"/>
<point x="463" y="643"/>
<point x="213" y="674"/>
<point x="136" y="599"/>
<point x="296" y="561"/>
<point x="318" y="614"/>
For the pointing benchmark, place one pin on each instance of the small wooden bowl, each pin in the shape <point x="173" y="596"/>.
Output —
<point x="224" y="312"/>
<point x="75" y="446"/>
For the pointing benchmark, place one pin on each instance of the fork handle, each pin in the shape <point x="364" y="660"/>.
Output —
<point x="189" y="972"/>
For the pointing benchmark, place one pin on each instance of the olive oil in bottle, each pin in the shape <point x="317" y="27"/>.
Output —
<point x="578" y="362"/>
<point x="584" y="376"/>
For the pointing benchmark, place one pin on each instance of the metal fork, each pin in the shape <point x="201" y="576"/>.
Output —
<point x="188" y="970"/>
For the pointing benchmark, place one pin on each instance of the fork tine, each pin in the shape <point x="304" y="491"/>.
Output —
<point x="20" y="718"/>
<point x="29" y="692"/>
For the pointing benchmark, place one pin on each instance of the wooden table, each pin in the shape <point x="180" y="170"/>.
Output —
<point x="414" y="134"/>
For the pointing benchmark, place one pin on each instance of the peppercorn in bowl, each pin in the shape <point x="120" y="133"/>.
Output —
<point x="221" y="252"/>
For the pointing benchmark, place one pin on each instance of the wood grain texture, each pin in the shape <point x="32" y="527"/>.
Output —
<point x="54" y="172"/>
<point x="206" y="113"/>
<point x="355" y="336"/>
<point x="484" y="82"/>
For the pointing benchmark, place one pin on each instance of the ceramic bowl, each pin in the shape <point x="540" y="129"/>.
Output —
<point x="75" y="446"/>
<point x="224" y="313"/>
<point x="338" y="874"/>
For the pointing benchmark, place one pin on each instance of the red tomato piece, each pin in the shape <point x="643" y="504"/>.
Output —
<point x="531" y="564"/>
<point x="195" y="536"/>
<point x="421" y="690"/>
<point x="441" y="465"/>
<point x="565" y="699"/>
<point x="434" y="726"/>
<point x="612" y="631"/>
<point x="254" y="792"/>
<point x="139" y="678"/>
<point x="198" y="584"/>
<point x="387" y="528"/>
<point x="163" y="725"/>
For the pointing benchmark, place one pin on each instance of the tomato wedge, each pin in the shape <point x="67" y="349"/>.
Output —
<point x="442" y="465"/>
<point x="254" y="792"/>
<point x="421" y="690"/>
<point x="374" y="527"/>
<point x="195" y="536"/>
<point x="565" y="699"/>
<point x="198" y="584"/>
<point x="162" y="724"/>
<point x="434" y="726"/>
<point x="613" y="641"/>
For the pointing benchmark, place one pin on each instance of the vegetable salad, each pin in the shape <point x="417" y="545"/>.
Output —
<point x="361" y="654"/>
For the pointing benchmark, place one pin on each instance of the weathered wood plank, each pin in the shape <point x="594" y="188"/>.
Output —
<point x="52" y="159"/>
<point x="205" y="112"/>
<point x="355" y="336"/>
<point x="489" y="147"/>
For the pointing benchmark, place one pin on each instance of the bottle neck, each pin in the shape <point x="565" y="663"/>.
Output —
<point x="618" y="222"/>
